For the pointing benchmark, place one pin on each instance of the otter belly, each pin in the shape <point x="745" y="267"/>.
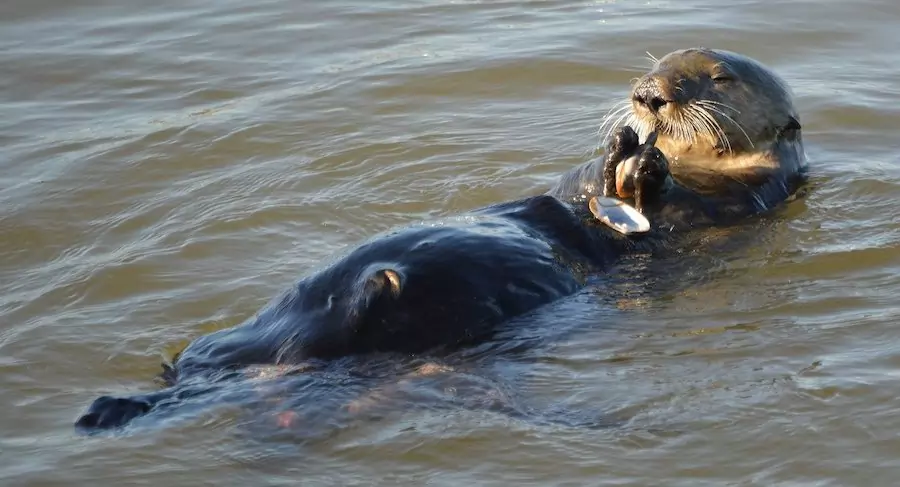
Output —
<point x="436" y="285"/>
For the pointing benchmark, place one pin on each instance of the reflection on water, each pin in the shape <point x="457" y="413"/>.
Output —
<point x="169" y="168"/>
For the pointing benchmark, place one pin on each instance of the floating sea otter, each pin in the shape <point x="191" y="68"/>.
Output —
<point x="721" y="142"/>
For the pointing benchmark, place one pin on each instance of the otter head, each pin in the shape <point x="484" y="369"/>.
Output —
<point x="708" y="103"/>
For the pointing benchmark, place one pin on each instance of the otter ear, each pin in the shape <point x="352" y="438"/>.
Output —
<point x="792" y="125"/>
<point x="789" y="129"/>
<point x="384" y="282"/>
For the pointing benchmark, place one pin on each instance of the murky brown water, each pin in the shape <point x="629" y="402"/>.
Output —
<point x="168" y="169"/>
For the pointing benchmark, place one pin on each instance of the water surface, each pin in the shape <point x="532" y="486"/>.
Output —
<point x="167" y="169"/>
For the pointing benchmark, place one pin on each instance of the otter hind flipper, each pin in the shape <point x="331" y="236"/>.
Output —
<point x="378" y="283"/>
<point x="385" y="281"/>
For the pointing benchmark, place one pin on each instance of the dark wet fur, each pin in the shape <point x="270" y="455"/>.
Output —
<point x="459" y="281"/>
<point x="436" y="288"/>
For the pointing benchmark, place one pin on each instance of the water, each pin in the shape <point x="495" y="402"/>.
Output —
<point x="169" y="168"/>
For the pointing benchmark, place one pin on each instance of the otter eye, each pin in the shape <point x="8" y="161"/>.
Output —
<point x="721" y="79"/>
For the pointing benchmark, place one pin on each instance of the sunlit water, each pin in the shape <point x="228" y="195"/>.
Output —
<point x="169" y="167"/>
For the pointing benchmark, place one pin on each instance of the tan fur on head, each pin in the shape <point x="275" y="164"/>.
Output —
<point x="714" y="109"/>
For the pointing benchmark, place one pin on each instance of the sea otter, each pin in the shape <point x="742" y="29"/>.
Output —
<point x="725" y="144"/>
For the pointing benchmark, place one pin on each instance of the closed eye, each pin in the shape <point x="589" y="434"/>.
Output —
<point x="721" y="78"/>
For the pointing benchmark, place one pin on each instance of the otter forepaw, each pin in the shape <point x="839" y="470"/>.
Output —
<point x="650" y="178"/>
<point x="622" y="145"/>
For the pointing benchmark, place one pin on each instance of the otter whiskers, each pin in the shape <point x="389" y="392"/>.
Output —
<point x="614" y="118"/>
<point x="706" y="124"/>
<point x="713" y="106"/>
<point x="700" y="119"/>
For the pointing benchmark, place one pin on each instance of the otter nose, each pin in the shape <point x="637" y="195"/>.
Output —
<point x="648" y="94"/>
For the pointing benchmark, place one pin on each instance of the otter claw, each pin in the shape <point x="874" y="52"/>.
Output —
<point x="621" y="160"/>
<point x="634" y="169"/>
<point x="650" y="178"/>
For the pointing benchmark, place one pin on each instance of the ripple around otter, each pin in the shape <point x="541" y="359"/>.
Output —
<point x="167" y="169"/>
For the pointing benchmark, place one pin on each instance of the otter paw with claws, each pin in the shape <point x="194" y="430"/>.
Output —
<point x="650" y="178"/>
<point x="622" y="145"/>
<point x="634" y="169"/>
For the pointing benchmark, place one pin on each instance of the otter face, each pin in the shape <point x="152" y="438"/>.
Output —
<point x="712" y="103"/>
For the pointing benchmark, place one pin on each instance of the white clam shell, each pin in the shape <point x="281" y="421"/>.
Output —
<point x="625" y="176"/>
<point x="618" y="215"/>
